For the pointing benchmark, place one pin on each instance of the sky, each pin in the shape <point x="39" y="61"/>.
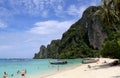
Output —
<point x="25" y="25"/>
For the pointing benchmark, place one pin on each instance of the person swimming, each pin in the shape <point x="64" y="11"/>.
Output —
<point x="18" y="72"/>
<point x="12" y="75"/>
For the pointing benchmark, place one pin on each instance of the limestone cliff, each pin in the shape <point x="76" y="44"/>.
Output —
<point x="82" y="39"/>
<point x="51" y="51"/>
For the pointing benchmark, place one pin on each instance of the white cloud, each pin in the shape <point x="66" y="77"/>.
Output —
<point x="59" y="10"/>
<point x="76" y="11"/>
<point x="33" y="7"/>
<point x="4" y="47"/>
<point x="45" y="13"/>
<point x="51" y="27"/>
<point x="95" y="2"/>
<point x="2" y="25"/>
<point x="79" y="8"/>
<point x="11" y="43"/>
<point x="44" y="8"/>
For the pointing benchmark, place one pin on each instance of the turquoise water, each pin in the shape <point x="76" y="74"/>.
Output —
<point x="32" y="66"/>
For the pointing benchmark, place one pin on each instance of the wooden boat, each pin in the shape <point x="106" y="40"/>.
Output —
<point x="89" y="61"/>
<point x="59" y="62"/>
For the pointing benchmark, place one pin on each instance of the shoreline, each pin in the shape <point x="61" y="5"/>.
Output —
<point x="82" y="71"/>
<point x="55" y="71"/>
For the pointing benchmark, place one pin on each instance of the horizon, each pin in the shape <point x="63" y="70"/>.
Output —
<point x="26" y="25"/>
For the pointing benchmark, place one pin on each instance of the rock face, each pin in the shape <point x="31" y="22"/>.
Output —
<point x="86" y="34"/>
<point x="95" y="28"/>
<point x="50" y="51"/>
<point x="42" y="53"/>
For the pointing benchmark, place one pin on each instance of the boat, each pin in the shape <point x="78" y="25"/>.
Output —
<point x="59" y="62"/>
<point x="89" y="61"/>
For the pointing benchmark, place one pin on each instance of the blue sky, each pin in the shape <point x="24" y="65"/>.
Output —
<point x="25" y="25"/>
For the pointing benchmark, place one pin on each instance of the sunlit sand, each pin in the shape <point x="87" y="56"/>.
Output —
<point x="96" y="70"/>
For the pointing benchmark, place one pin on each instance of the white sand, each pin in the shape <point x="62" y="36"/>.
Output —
<point x="83" y="71"/>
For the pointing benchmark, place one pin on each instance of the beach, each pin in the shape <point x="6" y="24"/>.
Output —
<point x="96" y="70"/>
<point x="41" y="68"/>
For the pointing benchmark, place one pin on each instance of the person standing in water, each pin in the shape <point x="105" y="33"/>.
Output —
<point x="4" y="75"/>
<point x="23" y="72"/>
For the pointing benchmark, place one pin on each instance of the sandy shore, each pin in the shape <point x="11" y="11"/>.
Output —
<point x="97" y="70"/>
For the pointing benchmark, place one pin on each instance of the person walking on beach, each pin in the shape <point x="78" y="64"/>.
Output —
<point x="89" y="66"/>
<point x="4" y="75"/>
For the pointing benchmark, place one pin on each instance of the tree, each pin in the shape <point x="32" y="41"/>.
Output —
<point x="110" y="14"/>
<point x="116" y="5"/>
<point x="111" y="49"/>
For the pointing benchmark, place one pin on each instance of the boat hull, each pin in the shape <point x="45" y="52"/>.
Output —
<point x="61" y="62"/>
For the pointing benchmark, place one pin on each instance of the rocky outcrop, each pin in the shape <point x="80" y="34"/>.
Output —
<point x="94" y="27"/>
<point x="42" y="53"/>
<point x="83" y="37"/>
<point x="51" y="51"/>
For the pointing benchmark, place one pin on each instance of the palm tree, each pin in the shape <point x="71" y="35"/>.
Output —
<point x="116" y="5"/>
<point x="110" y="13"/>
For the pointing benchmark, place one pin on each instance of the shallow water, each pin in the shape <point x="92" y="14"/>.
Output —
<point x="32" y="66"/>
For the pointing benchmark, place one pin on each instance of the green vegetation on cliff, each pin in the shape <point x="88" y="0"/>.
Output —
<point x="97" y="32"/>
<point x="111" y="17"/>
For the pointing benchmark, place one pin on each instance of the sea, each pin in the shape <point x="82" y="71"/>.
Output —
<point x="13" y="67"/>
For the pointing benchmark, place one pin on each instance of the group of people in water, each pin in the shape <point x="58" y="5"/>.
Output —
<point x="23" y="73"/>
